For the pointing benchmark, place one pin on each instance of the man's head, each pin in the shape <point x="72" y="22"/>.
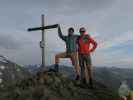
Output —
<point x="82" y="31"/>
<point x="70" y="31"/>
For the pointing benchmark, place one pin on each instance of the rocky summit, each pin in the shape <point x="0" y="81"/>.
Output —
<point x="54" y="86"/>
<point x="10" y="71"/>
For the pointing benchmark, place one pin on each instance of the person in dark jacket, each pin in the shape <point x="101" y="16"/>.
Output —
<point x="71" y="50"/>
<point x="84" y="49"/>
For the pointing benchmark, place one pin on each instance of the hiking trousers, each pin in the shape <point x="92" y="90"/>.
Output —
<point x="73" y="57"/>
<point x="86" y="66"/>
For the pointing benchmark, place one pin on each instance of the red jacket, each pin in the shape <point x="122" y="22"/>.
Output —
<point x="84" y="44"/>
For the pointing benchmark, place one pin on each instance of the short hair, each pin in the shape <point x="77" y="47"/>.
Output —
<point x="71" y="28"/>
<point x="82" y="29"/>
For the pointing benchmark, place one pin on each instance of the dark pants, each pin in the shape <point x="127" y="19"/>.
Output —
<point x="85" y="64"/>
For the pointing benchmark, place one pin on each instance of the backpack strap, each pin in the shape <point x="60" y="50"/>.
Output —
<point x="86" y="38"/>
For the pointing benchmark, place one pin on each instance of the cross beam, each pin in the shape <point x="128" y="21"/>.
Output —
<point x="42" y="42"/>
<point x="42" y="28"/>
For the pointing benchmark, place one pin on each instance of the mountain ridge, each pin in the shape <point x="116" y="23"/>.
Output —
<point x="54" y="86"/>
<point x="112" y="76"/>
<point x="10" y="71"/>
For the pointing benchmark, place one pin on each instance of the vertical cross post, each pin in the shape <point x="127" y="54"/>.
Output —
<point x="43" y="41"/>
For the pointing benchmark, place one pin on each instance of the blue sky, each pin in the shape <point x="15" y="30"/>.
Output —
<point x="110" y="23"/>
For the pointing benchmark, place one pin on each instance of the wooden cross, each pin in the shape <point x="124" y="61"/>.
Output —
<point x="42" y="42"/>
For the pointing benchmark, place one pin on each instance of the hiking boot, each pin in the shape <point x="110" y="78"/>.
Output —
<point x="51" y="70"/>
<point x="91" y="83"/>
<point x="56" y="68"/>
<point x="83" y="81"/>
<point x="77" y="78"/>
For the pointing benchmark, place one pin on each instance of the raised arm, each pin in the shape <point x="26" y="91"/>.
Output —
<point x="60" y="34"/>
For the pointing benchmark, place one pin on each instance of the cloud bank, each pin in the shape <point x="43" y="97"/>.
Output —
<point x="108" y="21"/>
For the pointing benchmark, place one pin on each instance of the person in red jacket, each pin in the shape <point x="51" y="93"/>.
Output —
<point x="85" y="49"/>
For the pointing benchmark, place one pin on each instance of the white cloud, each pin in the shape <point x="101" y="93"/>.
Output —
<point x="110" y="22"/>
<point x="122" y="38"/>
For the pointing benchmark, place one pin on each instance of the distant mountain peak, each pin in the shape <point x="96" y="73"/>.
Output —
<point x="10" y="71"/>
<point x="3" y="59"/>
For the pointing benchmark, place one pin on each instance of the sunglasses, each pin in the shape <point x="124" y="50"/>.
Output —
<point x="82" y="31"/>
